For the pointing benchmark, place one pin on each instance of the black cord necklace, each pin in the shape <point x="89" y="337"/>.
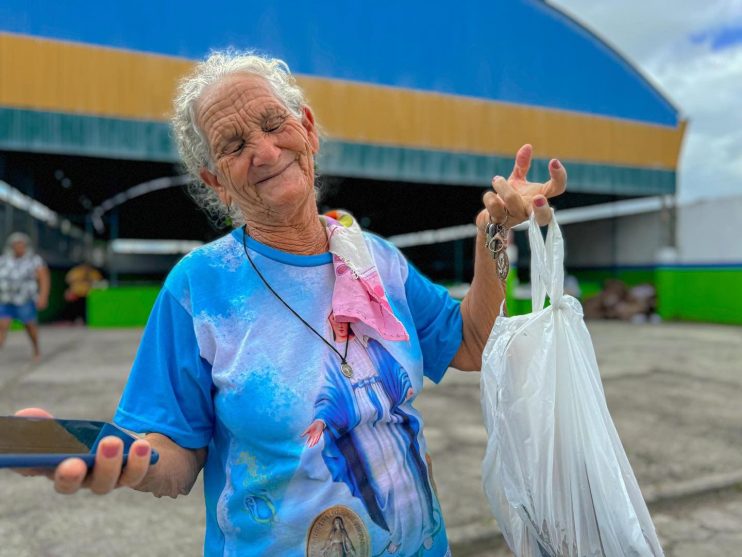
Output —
<point x="345" y="367"/>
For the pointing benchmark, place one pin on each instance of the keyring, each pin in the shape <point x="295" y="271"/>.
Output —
<point x="504" y="223"/>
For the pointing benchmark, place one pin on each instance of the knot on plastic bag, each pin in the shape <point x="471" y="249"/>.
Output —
<point x="567" y="302"/>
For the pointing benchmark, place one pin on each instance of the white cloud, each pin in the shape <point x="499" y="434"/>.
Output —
<point x="705" y="84"/>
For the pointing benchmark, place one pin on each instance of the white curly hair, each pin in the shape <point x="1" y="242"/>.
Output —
<point x="16" y="237"/>
<point x="192" y="145"/>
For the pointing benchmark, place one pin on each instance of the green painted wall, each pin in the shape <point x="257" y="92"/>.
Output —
<point x="443" y="167"/>
<point x="54" y="132"/>
<point x="75" y="134"/>
<point x="709" y="294"/>
<point x="705" y="294"/>
<point x="631" y="276"/>
<point x="125" y="306"/>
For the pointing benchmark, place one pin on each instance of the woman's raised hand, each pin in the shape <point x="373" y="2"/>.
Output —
<point x="108" y="472"/>
<point x="513" y="200"/>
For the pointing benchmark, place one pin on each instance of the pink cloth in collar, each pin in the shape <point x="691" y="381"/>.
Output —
<point x="358" y="295"/>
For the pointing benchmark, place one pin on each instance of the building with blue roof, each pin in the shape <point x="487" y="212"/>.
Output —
<point x="421" y="104"/>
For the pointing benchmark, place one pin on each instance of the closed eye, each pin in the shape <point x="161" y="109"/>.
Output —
<point x="273" y="124"/>
<point x="236" y="148"/>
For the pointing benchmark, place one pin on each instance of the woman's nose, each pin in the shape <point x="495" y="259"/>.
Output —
<point x="265" y="152"/>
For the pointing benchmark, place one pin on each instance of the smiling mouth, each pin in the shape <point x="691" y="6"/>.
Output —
<point x="276" y="174"/>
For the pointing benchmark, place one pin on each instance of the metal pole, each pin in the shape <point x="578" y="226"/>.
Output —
<point x="8" y="220"/>
<point x="114" y="228"/>
<point x="87" y="240"/>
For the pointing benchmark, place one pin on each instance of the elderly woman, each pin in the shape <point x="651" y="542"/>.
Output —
<point x="24" y="288"/>
<point x="238" y="355"/>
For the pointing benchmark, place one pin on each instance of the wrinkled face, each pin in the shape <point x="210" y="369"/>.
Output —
<point x="262" y="154"/>
<point x="19" y="248"/>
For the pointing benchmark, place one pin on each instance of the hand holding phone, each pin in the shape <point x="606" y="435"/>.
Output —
<point x="115" y="460"/>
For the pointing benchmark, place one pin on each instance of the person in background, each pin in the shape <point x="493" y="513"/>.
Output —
<point x="80" y="280"/>
<point x="24" y="288"/>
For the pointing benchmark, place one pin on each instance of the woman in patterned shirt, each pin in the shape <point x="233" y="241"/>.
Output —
<point x="24" y="288"/>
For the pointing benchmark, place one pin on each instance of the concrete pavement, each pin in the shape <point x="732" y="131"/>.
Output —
<point x="674" y="390"/>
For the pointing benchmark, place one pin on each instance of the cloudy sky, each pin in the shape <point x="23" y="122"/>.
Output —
<point x="692" y="49"/>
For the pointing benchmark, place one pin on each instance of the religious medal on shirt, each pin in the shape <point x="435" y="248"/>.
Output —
<point x="338" y="531"/>
<point x="346" y="369"/>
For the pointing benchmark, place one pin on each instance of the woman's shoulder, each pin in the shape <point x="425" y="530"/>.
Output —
<point x="222" y="255"/>
<point x="387" y="256"/>
<point x="381" y="246"/>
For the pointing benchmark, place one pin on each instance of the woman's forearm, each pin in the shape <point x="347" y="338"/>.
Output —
<point x="480" y="306"/>
<point x="44" y="281"/>
<point x="176" y="470"/>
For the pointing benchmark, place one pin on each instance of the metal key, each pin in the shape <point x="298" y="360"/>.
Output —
<point x="496" y="243"/>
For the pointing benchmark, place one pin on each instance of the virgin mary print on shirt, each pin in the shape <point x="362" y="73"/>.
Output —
<point x="371" y="443"/>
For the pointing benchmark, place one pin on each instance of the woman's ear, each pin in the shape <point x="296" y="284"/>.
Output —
<point x="307" y="120"/>
<point x="211" y="180"/>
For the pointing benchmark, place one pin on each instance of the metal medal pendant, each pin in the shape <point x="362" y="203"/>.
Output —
<point x="503" y="265"/>
<point x="346" y="369"/>
<point x="496" y="242"/>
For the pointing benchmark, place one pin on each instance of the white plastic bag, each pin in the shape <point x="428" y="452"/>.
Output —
<point x="555" y="473"/>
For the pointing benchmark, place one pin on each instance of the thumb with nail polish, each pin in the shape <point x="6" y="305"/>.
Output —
<point x="542" y="210"/>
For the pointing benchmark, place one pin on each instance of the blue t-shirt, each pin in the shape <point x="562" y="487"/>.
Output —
<point x="224" y="364"/>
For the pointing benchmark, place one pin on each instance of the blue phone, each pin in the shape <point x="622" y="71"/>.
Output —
<point x="45" y="442"/>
